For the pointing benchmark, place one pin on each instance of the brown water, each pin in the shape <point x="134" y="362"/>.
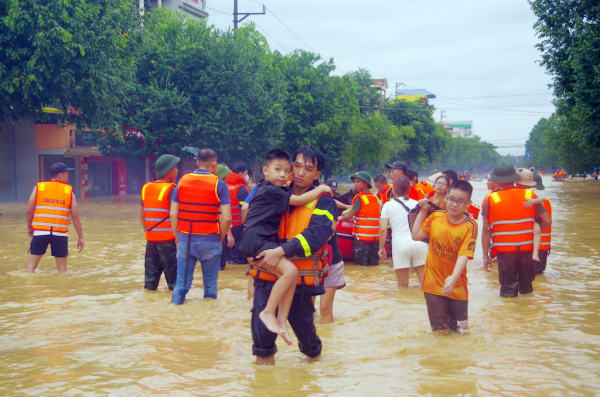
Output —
<point x="94" y="331"/>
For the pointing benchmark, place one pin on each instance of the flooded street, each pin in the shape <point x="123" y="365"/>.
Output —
<point x="94" y="331"/>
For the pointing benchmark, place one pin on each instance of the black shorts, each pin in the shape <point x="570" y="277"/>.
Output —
<point x="446" y="313"/>
<point x="59" y="245"/>
<point x="265" y="245"/>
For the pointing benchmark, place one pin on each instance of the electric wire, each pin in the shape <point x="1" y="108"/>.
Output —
<point x="265" y="32"/>
<point x="222" y="12"/>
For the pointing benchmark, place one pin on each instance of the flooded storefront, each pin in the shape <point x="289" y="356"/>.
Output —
<point x="94" y="330"/>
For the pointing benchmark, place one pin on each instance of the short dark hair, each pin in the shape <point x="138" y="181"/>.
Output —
<point x="442" y="177"/>
<point x="239" y="167"/>
<point x="207" y="155"/>
<point x="277" y="154"/>
<point x="380" y="178"/>
<point x="451" y="174"/>
<point x="410" y="174"/>
<point x="401" y="186"/>
<point x="313" y="154"/>
<point x="463" y="186"/>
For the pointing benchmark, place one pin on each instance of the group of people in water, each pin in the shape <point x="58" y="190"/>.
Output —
<point x="285" y="230"/>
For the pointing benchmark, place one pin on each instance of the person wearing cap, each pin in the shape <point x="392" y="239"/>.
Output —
<point x="200" y="219"/>
<point x="365" y="210"/>
<point x="510" y="224"/>
<point x="236" y="184"/>
<point x="161" y="250"/>
<point x="526" y="182"/>
<point x="546" y="236"/>
<point x="50" y="205"/>
<point x="399" y="168"/>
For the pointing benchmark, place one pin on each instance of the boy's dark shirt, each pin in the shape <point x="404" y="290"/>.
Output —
<point x="264" y="214"/>
<point x="347" y="197"/>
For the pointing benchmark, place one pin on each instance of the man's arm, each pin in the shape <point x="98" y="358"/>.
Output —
<point x="348" y="216"/>
<point x="175" y="219"/>
<point x="383" y="225"/>
<point x="459" y="267"/>
<point x="77" y="223"/>
<point x="341" y="205"/>
<point x="245" y="208"/>
<point x="485" y="245"/>
<point x="143" y="217"/>
<point x="225" y="220"/>
<point x="30" y="210"/>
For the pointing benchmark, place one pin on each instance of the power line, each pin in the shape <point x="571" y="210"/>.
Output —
<point x="214" y="9"/>
<point x="265" y="32"/>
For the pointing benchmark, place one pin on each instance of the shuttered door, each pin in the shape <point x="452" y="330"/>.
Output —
<point x="6" y="183"/>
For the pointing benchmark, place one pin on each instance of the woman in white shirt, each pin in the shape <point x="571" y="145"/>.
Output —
<point x="407" y="255"/>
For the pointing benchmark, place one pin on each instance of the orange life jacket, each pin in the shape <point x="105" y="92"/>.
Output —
<point x="546" y="234"/>
<point x="52" y="207"/>
<point x="234" y="183"/>
<point x="198" y="204"/>
<point x="366" y="221"/>
<point x="383" y="197"/>
<point x="420" y="193"/>
<point x="157" y="208"/>
<point x="474" y="210"/>
<point x="511" y="223"/>
<point x="412" y="193"/>
<point x="313" y="267"/>
<point x="426" y="187"/>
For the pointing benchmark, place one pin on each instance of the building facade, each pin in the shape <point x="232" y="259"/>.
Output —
<point x="460" y="128"/>
<point x="194" y="8"/>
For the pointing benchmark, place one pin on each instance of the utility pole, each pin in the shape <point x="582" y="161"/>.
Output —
<point x="398" y="85"/>
<point x="245" y="14"/>
<point x="442" y="113"/>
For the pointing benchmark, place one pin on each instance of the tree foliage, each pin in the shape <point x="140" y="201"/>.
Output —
<point x="542" y="157"/>
<point x="570" y="38"/>
<point x="67" y="54"/>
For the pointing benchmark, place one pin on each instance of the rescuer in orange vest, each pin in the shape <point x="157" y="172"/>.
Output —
<point x="413" y="178"/>
<point x="365" y="210"/>
<point x="236" y="184"/>
<point x="200" y="218"/>
<point x="304" y="232"/>
<point x="540" y="266"/>
<point x="50" y="205"/>
<point x="398" y="168"/>
<point x="510" y="224"/>
<point x="385" y="191"/>
<point x="161" y="250"/>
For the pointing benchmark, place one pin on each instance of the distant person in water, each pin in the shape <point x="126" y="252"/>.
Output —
<point x="50" y="206"/>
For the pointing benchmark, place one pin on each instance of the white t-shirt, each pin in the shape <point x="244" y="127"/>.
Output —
<point x="398" y="217"/>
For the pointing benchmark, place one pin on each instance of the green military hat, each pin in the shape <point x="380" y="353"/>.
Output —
<point x="537" y="178"/>
<point x="363" y="176"/>
<point x="504" y="173"/>
<point x="164" y="164"/>
<point x="222" y="171"/>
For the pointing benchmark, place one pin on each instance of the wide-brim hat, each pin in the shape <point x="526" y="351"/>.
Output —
<point x="525" y="177"/>
<point x="504" y="173"/>
<point x="164" y="164"/>
<point x="434" y="177"/>
<point x="398" y="164"/>
<point x="363" y="176"/>
<point x="538" y="180"/>
<point x="222" y="171"/>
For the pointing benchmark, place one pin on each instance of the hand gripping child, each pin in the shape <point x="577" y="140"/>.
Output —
<point x="526" y="182"/>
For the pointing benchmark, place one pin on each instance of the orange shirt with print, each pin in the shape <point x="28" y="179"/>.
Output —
<point x="447" y="241"/>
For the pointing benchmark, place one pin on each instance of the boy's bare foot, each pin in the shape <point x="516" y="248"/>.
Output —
<point x="284" y="332"/>
<point x="536" y="257"/>
<point x="270" y="322"/>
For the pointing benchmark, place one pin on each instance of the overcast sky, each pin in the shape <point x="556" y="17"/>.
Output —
<point x="477" y="57"/>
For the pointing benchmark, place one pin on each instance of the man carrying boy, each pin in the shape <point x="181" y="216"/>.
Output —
<point x="510" y="225"/>
<point x="365" y="210"/>
<point x="305" y="233"/>
<point x="453" y="236"/>
<point x="161" y="250"/>
<point x="200" y="218"/>
<point x="540" y="266"/>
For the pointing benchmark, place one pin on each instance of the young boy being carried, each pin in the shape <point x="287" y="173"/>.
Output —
<point x="453" y="236"/>
<point x="526" y="182"/>
<point x="270" y="201"/>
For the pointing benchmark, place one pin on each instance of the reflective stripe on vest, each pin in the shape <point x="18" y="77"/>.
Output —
<point x="198" y="204"/>
<point x="546" y="234"/>
<point x="311" y="268"/>
<point x="511" y="224"/>
<point x="366" y="221"/>
<point x="52" y="207"/>
<point x="156" y="202"/>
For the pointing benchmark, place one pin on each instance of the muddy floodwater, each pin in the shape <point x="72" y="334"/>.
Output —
<point x="94" y="331"/>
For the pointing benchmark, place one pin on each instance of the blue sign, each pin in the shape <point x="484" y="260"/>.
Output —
<point x="528" y="155"/>
<point x="595" y="174"/>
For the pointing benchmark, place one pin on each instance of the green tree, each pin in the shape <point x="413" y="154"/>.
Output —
<point x="67" y="54"/>
<point x="562" y="131"/>
<point x="570" y="37"/>
<point x="542" y="157"/>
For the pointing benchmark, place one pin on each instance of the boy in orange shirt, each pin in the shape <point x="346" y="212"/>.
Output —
<point x="453" y="236"/>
